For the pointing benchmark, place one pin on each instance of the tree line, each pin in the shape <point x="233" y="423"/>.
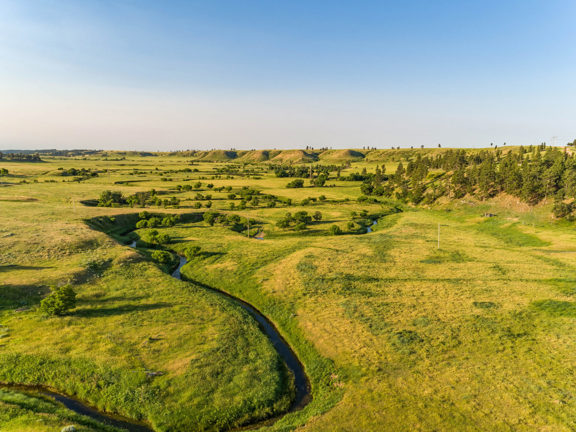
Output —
<point x="20" y="157"/>
<point x="531" y="174"/>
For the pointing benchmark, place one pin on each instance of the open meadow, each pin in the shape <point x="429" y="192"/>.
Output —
<point x="450" y="311"/>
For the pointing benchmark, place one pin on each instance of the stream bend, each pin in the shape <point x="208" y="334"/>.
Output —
<point x="301" y="382"/>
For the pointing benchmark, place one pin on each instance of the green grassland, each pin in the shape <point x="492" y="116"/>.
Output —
<point x="394" y="332"/>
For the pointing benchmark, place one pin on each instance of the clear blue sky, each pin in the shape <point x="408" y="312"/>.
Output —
<point x="139" y="74"/>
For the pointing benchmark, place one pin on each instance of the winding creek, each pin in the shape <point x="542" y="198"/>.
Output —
<point x="301" y="382"/>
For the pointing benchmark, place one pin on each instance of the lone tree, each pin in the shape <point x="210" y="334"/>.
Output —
<point x="335" y="230"/>
<point x="297" y="183"/>
<point x="59" y="301"/>
<point x="162" y="257"/>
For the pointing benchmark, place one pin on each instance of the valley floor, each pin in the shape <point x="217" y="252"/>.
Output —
<point x="395" y="332"/>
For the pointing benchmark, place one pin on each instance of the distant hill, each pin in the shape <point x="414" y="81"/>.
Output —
<point x="219" y="155"/>
<point x="341" y="155"/>
<point x="295" y="156"/>
<point x="259" y="155"/>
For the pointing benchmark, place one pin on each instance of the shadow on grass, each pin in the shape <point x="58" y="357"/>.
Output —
<point x="557" y="308"/>
<point x="9" y="267"/>
<point x="118" y="310"/>
<point x="18" y="296"/>
<point x="98" y="300"/>
<point x="210" y="254"/>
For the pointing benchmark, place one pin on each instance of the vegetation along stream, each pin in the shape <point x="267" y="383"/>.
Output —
<point x="301" y="382"/>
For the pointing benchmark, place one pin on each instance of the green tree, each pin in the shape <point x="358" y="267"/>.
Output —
<point x="162" y="257"/>
<point x="59" y="301"/>
<point x="210" y="218"/>
<point x="141" y="224"/>
<point x="297" y="183"/>
<point x="562" y="210"/>
<point x="110" y="198"/>
<point x="320" y="180"/>
<point x="335" y="230"/>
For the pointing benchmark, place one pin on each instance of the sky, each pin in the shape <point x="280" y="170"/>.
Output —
<point x="174" y="74"/>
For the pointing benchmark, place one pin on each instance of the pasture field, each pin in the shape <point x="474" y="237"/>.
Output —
<point x="394" y="332"/>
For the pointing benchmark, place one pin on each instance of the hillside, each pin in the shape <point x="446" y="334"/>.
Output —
<point x="341" y="156"/>
<point x="295" y="156"/>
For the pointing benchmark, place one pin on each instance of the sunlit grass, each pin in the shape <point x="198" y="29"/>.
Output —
<point x="395" y="333"/>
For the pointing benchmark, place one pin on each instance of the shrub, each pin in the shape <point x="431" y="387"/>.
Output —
<point x="162" y="257"/>
<point x="170" y="220"/>
<point x="283" y="223"/>
<point x="142" y="224"/>
<point x="302" y="216"/>
<point x="562" y="210"/>
<point x="210" y="218"/>
<point x="59" y="301"/>
<point x="319" y="181"/>
<point x="110" y="198"/>
<point x="163" y="238"/>
<point x="335" y="230"/>
<point x="191" y="252"/>
<point x="153" y="237"/>
<point x="154" y="222"/>
<point x="297" y="183"/>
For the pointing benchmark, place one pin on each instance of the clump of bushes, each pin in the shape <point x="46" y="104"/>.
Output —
<point x="162" y="257"/>
<point x="335" y="230"/>
<point x="298" y="221"/>
<point x="139" y="199"/>
<point x="59" y="301"/>
<point x="149" y="221"/>
<point x="234" y="221"/>
<point x="154" y="237"/>
<point x="296" y="183"/>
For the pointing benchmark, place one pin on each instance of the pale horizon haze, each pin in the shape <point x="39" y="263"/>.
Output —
<point x="175" y="75"/>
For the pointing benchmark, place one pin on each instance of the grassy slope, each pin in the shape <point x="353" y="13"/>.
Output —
<point x="26" y="413"/>
<point x="220" y="369"/>
<point x="476" y="336"/>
